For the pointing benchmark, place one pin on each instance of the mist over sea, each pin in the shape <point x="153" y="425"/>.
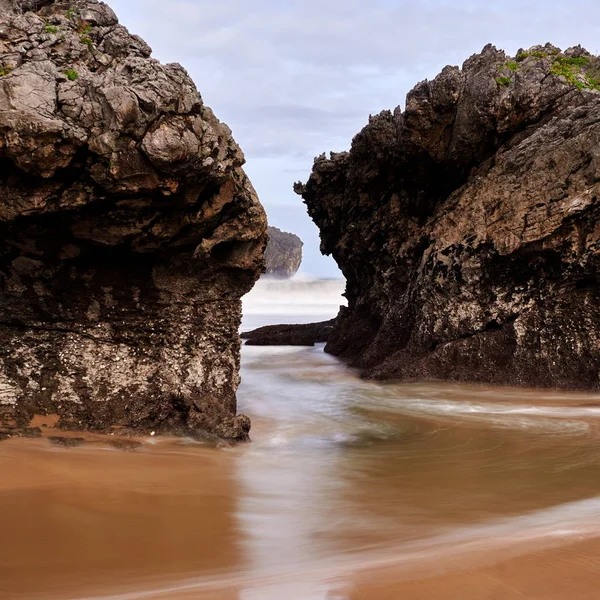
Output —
<point x="301" y="299"/>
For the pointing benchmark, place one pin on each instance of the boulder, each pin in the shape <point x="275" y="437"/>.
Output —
<point x="129" y="232"/>
<point x="468" y="225"/>
<point x="283" y="255"/>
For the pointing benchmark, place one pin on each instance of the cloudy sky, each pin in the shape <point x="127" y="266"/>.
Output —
<point x="294" y="78"/>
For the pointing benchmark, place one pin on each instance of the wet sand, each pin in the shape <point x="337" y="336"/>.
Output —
<point x="90" y="518"/>
<point x="571" y="571"/>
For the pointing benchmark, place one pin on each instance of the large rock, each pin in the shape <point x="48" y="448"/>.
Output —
<point x="468" y="226"/>
<point x="283" y="255"/>
<point x="129" y="232"/>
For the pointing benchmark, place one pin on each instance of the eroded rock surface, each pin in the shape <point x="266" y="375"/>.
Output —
<point x="283" y="255"/>
<point x="468" y="227"/>
<point x="129" y="232"/>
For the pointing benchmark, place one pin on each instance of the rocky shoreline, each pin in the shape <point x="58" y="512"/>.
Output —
<point x="468" y="225"/>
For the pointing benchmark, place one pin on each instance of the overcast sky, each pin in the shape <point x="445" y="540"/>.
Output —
<point x="294" y="78"/>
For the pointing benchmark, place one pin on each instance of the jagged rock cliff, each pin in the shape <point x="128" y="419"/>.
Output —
<point x="283" y="256"/>
<point x="468" y="226"/>
<point x="129" y="231"/>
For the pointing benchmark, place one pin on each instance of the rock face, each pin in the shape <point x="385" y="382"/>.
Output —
<point x="129" y="232"/>
<point x="283" y="256"/>
<point x="468" y="226"/>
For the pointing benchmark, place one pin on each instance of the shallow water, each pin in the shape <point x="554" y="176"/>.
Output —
<point x="343" y="478"/>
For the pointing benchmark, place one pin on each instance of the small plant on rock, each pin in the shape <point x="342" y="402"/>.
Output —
<point x="83" y="28"/>
<point x="71" y="74"/>
<point x="503" y="81"/>
<point x="88" y="42"/>
<point x="571" y="69"/>
<point x="573" y="61"/>
<point x="512" y="66"/>
<point x="4" y="71"/>
<point x="594" y="82"/>
<point x="527" y="53"/>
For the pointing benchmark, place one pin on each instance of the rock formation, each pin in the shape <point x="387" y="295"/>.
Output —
<point x="468" y="227"/>
<point x="290" y="335"/>
<point x="129" y="232"/>
<point x="283" y="256"/>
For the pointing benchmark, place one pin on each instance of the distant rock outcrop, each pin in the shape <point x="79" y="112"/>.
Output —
<point x="283" y="256"/>
<point x="129" y="232"/>
<point x="290" y="335"/>
<point x="468" y="226"/>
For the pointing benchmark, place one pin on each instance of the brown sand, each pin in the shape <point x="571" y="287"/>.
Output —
<point x="570" y="572"/>
<point x="93" y="517"/>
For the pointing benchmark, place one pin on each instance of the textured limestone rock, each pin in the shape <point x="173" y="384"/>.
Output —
<point x="129" y="232"/>
<point x="283" y="255"/>
<point x="468" y="226"/>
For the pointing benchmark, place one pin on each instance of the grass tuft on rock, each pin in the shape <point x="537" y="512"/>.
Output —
<point x="571" y="69"/>
<point x="71" y="74"/>
<point x="88" y="42"/>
